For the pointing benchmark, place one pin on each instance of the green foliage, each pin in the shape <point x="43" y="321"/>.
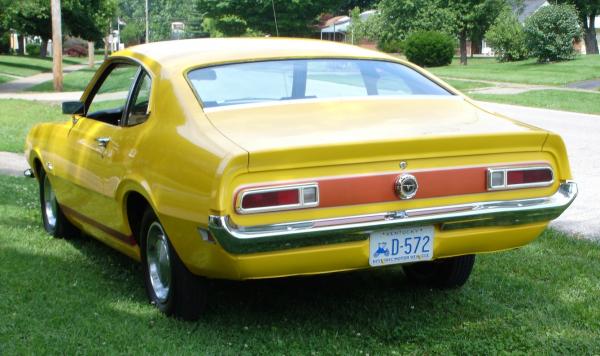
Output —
<point x="550" y="31"/>
<point x="429" y="48"/>
<point x="397" y="19"/>
<point x="294" y="17"/>
<point x="231" y="25"/>
<point x="392" y="45"/>
<point x="5" y="42"/>
<point x="507" y="38"/>
<point x="33" y="49"/>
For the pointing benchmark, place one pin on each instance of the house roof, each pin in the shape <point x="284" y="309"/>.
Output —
<point x="529" y="7"/>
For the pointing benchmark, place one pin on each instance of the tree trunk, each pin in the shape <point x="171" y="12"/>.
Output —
<point x="56" y="45"/>
<point x="44" y="48"/>
<point x="106" y="47"/>
<point x="21" y="43"/>
<point x="91" y="54"/>
<point x="589" y="36"/>
<point x="463" y="47"/>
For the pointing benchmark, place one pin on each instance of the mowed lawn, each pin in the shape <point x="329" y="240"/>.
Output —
<point x="24" y="66"/>
<point x="18" y="116"/>
<point x="528" y="71"/>
<point x="588" y="103"/>
<point x="78" y="296"/>
<point x="74" y="81"/>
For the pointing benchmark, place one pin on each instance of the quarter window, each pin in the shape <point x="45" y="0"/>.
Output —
<point x="138" y="113"/>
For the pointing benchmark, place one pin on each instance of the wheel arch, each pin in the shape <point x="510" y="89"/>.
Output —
<point x="135" y="200"/>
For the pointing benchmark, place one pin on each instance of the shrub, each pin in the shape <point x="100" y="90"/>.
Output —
<point x="231" y="25"/>
<point x="550" y="31"/>
<point x="429" y="48"/>
<point x="507" y="38"/>
<point x="390" y="45"/>
<point x="33" y="49"/>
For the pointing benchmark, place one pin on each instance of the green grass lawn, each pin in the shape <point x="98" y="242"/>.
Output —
<point x="78" y="296"/>
<point x="4" y="79"/>
<point x="74" y="81"/>
<point x="588" y="103"/>
<point x="528" y="71"/>
<point x="18" y="116"/>
<point x="26" y="65"/>
<point x="463" y="85"/>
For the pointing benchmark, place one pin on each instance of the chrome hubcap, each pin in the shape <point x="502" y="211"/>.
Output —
<point x="159" y="264"/>
<point x="50" y="205"/>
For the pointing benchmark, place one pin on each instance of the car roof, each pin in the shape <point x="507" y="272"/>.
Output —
<point x="209" y="51"/>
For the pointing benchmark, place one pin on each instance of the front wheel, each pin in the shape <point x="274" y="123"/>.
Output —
<point x="55" y="222"/>
<point x="445" y="273"/>
<point x="170" y="286"/>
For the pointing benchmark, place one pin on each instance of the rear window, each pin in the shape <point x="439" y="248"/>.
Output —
<point x="255" y="82"/>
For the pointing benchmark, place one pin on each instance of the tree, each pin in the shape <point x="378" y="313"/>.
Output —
<point x="396" y="19"/>
<point x="473" y="18"/>
<point x="587" y="10"/>
<point x="294" y="17"/>
<point x="550" y="31"/>
<point x="29" y="17"/>
<point x="507" y="38"/>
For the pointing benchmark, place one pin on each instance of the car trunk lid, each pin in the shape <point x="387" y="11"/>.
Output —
<point x="315" y="132"/>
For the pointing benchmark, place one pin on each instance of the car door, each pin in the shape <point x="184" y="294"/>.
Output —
<point x="102" y="146"/>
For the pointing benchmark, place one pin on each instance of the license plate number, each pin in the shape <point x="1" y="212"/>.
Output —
<point x="401" y="246"/>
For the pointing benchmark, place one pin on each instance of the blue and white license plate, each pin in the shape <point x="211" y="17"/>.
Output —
<point x="404" y="245"/>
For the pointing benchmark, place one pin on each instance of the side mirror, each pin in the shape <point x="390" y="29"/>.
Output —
<point x="72" y="108"/>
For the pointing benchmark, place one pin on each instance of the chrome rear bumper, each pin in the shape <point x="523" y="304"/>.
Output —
<point x="242" y="240"/>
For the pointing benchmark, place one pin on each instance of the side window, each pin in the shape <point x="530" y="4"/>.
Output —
<point x="138" y="113"/>
<point x="110" y="99"/>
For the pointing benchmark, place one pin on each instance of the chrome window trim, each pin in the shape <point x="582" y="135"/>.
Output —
<point x="506" y="170"/>
<point x="301" y="203"/>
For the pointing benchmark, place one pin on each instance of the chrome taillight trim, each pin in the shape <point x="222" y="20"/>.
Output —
<point x="506" y="170"/>
<point x="301" y="203"/>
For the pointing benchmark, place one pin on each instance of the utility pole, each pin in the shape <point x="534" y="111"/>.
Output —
<point x="56" y="45"/>
<point x="274" y="17"/>
<point x="147" y="36"/>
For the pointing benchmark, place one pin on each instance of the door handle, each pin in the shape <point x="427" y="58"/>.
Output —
<point x="102" y="141"/>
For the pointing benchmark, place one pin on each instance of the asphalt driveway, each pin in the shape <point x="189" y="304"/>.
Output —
<point x="581" y="133"/>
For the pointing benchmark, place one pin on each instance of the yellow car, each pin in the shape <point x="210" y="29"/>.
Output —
<point x="262" y="158"/>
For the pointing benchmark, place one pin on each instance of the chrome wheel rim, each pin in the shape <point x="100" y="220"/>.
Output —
<point x="159" y="261"/>
<point x="50" y="204"/>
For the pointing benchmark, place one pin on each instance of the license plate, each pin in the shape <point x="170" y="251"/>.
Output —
<point x="404" y="245"/>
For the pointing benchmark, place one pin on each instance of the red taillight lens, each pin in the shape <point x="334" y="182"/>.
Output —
<point x="529" y="176"/>
<point x="268" y="199"/>
<point x="519" y="177"/>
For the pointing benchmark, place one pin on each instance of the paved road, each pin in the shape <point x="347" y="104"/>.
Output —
<point x="581" y="134"/>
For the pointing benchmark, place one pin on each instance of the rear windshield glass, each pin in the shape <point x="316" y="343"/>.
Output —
<point x="255" y="82"/>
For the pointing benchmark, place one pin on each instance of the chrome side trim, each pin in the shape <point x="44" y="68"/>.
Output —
<point x="249" y="239"/>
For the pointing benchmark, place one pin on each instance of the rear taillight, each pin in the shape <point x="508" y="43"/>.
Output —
<point x="277" y="198"/>
<point x="519" y="177"/>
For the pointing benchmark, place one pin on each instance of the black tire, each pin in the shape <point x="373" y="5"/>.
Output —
<point x="445" y="273"/>
<point x="181" y="294"/>
<point x="54" y="220"/>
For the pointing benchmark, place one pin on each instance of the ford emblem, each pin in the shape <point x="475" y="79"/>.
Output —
<point x="406" y="186"/>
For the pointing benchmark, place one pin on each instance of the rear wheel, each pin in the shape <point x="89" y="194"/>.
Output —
<point x="170" y="286"/>
<point x="445" y="273"/>
<point x="55" y="222"/>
